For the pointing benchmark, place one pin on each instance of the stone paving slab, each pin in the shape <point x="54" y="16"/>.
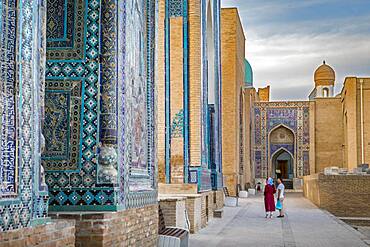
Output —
<point x="304" y="225"/>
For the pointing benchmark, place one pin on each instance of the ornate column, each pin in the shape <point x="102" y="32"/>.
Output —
<point x="107" y="170"/>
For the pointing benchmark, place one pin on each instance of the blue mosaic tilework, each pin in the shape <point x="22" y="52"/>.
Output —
<point x="62" y="125"/>
<point x="306" y="125"/>
<point x="276" y="147"/>
<point x="8" y="167"/>
<point x="193" y="177"/>
<point x="176" y="8"/>
<point x="257" y="164"/>
<point x="205" y="180"/>
<point x="286" y="116"/>
<point x="73" y="70"/>
<point x="257" y="126"/>
<point x="138" y="181"/>
<point x="269" y="115"/>
<point x="177" y="126"/>
<point x="98" y="196"/>
<point x="201" y="176"/>
<point x="78" y="189"/>
<point x="26" y="203"/>
<point x="65" y="29"/>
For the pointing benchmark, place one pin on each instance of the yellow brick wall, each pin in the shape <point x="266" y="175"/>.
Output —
<point x="176" y="61"/>
<point x="349" y="118"/>
<point x="232" y="59"/>
<point x="249" y="98"/>
<point x="195" y="82"/>
<point x="351" y="103"/>
<point x="328" y="133"/>
<point x="264" y="94"/>
<point x="312" y="153"/>
<point x="366" y="110"/>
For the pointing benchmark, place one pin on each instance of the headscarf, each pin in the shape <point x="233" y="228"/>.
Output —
<point x="270" y="181"/>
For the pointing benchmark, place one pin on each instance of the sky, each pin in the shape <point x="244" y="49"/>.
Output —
<point x="286" y="40"/>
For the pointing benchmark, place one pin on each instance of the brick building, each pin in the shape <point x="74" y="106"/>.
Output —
<point x="295" y="139"/>
<point x="189" y="102"/>
<point x="237" y="95"/>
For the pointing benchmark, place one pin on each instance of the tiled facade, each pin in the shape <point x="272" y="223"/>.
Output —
<point x="273" y="116"/>
<point x="23" y="194"/>
<point x="95" y="115"/>
<point x="78" y="114"/>
<point x="189" y="93"/>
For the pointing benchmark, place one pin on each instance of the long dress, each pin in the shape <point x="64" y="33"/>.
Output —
<point x="269" y="198"/>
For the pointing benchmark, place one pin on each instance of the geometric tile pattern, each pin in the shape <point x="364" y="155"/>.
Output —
<point x="62" y="125"/>
<point x="8" y="121"/>
<point x="267" y="117"/>
<point x="209" y="32"/>
<point x="177" y="127"/>
<point x="19" y="72"/>
<point x="175" y="8"/>
<point x="65" y="29"/>
<point x="81" y="197"/>
<point x="73" y="183"/>
<point x="86" y="71"/>
<point x="139" y="181"/>
<point x="72" y="72"/>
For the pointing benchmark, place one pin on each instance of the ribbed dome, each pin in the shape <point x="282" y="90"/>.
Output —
<point x="324" y="75"/>
<point x="248" y="80"/>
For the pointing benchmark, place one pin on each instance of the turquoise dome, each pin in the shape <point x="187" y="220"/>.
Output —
<point x="248" y="74"/>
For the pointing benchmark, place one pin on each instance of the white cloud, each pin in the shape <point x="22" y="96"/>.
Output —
<point x="285" y="55"/>
<point x="288" y="62"/>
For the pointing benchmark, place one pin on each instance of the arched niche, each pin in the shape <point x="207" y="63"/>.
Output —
<point x="282" y="164"/>
<point x="281" y="152"/>
<point x="281" y="135"/>
<point x="325" y="92"/>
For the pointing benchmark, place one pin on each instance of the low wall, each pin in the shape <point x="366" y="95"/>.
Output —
<point x="207" y="207"/>
<point x="218" y="199"/>
<point x="342" y="195"/>
<point x="173" y="209"/>
<point x="132" y="227"/>
<point x="177" y="188"/>
<point x="54" y="233"/>
<point x="193" y="204"/>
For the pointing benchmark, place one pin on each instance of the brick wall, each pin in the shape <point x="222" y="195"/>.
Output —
<point x="232" y="60"/>
<point x="207" y="208"/>
<point x="55" y="233"/>
<point x="195" y="82"/>
<point x="132" y="227"/>
<point x="218" y="197"/>
<point x="342" y="195"/>
<point x="328" y="147"/>
<point x="194" y="208"/>
<point x="173" y="210"/>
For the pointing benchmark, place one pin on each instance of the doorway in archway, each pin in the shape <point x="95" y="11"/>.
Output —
<point x="282" y="165"/>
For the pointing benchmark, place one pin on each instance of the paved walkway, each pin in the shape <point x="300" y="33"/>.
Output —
<point x="304" y="225"/>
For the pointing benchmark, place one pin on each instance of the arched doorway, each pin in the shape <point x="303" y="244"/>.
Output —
<point x="282" y="165"/>
<point x="281" y="149"/>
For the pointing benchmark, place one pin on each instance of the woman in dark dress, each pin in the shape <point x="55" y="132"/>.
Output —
<point x="269" y="192"/>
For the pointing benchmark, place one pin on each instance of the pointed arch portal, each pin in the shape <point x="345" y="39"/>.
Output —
<point x="282" y="146"/>
<point x="282" y="164"/>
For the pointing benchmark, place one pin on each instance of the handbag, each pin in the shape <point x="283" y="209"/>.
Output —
<point x="279" y="205"/>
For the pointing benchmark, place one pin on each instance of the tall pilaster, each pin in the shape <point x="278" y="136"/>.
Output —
<point x="107" y="171"/>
